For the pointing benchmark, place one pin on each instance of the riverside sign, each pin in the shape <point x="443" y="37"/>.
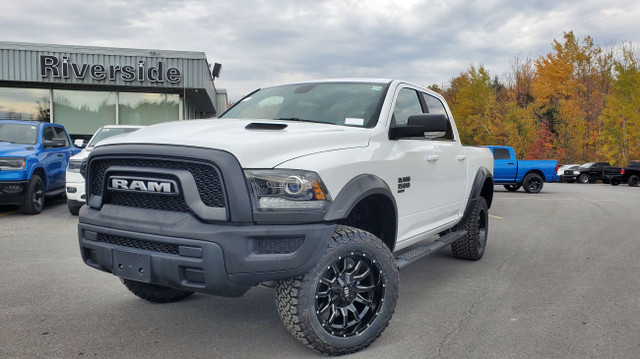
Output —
<point x="52" y="66"/>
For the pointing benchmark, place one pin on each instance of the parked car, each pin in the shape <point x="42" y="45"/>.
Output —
<point x="589" y="172"/>
<point x="312" y="185"/>
<point x="74" y="176"/>
<point x="562" y="168"/>
<point x="629" y="174"/>
<point x="513" y="173"/>
<point x="33" y="158"/>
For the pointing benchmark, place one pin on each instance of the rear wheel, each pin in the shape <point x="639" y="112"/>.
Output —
<point x="33" y="197"/>
<point x="155" y="293"/>
<point x="634" y="181"/>
<point x="345" y="302"/>
<point x="512" y="187"/>
<point x="472" y="245"/>
<point x="532" y="183"/>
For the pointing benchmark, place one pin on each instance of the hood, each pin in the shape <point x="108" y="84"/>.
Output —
<point x="82" y="154"/>
<point x="15" y="149"/>
<point x="266" y="144"/>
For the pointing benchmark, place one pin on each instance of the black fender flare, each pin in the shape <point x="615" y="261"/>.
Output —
<point x="354" y="191"/>
<point x="480" y="186"/>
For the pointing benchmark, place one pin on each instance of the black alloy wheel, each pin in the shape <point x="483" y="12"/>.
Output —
<point x="349" y="295"/>
<point x="532" y="183"/>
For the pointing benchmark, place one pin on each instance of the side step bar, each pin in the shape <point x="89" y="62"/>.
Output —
<point x="418" y="253"/>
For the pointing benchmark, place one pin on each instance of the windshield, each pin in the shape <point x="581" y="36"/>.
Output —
<point x="26" y="134"/>
<point x="345" y="104"/>
<point x="108" y="132"/>
<point x="587" y="165"/>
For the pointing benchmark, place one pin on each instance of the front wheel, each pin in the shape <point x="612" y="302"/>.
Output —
<point x="584" y="178"/>
<point x="472" y="245"/>
<point x="532" y="183"/>
<point x="34" y="196"/>
<point x="345" y="302"/>
<point x="634" y="181"/>
<point x="512" y="187"/>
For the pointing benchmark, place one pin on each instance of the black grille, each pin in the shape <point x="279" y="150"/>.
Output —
<point x="138" y="244"/>
<point x="278" y="245"/>
<point x="206" y="176"/>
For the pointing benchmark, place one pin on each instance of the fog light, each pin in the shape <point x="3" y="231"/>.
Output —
<point x="72" y="190"/>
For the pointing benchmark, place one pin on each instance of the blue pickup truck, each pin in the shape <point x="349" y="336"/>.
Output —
<point x="513" y="173"/>
<point x="33" y="161"/>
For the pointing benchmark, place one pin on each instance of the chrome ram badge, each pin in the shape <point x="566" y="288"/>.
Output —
<point x="137" y="184"/>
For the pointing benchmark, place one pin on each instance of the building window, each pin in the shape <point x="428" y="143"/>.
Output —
<point x="82" y="112"/>
<point x="24" y="104"/>
<point x="148" y="108"/>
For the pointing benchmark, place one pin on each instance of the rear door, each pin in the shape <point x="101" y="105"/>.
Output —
<point x="505" y="166"/>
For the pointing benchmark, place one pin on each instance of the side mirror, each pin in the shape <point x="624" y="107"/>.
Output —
<point x="79" y="143"/>
<point x="429" y="125"/>
<point x="56" y="143"/>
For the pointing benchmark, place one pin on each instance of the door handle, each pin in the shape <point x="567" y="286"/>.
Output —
<point x="432" y="158"/>
<point x="511" y="163"/>
<point x="461" y="157"/>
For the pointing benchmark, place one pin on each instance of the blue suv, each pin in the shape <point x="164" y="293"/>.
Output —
<point x="33" y="161"/>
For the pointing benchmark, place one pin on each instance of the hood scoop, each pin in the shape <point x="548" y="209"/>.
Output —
<point x="266" y="126"/>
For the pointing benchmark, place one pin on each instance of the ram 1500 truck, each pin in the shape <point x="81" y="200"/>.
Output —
<point x="317" y="187"/>
<point x="617" y="175"/>
<point x="513" y="173"/>
<point x="33" y="160"/>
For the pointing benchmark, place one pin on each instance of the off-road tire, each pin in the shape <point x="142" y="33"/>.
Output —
<point x="33" y="197"/>
<point x="302" y="300"/>
<point x="633" y="181"/>
<point x="532" y="183"/>
<point x="155" y="293"/>
<point x="584" y="178"/>
<point x="473" y="244"/>
<point x="511" y="187"/>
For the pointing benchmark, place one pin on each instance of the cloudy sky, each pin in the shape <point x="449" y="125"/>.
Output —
<point x="268" y="42"/>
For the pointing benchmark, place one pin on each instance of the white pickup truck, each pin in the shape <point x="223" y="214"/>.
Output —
<point x="318" y="187"/>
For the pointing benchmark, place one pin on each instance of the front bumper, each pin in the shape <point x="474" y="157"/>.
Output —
<point x="12" y="192"/>
<point x="75" y="192"/>
<point x="176" y="250"/>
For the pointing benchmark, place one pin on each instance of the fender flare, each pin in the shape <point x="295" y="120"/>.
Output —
<point x="356" y="190"/>
<point x="479" y="184"/>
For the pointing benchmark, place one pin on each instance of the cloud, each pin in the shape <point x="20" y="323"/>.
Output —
<point x="263" y="42"/>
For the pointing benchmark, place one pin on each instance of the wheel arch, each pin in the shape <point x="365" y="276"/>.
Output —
<point x="40" y="172"/>
<point x="366" y="202"/>
<point x="482" y="187"/>
<point x="536" y="171"/>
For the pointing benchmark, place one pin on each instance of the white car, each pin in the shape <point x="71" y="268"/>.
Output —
<point x="316" y="185"/>
<point x="75" y="179"/>
<point x="561" y="169"/>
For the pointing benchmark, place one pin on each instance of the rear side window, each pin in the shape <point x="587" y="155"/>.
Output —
<point x="501" y="154"/>
<point x="61" y="135"/>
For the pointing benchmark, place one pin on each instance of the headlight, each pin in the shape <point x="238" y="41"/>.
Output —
<point x="285" y="190"/>
<point x="75" y="165"/>
<point x="11" y="163"/>
<point x="576" y="172"/>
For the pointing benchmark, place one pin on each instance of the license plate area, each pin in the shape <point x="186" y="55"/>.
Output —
<point x="132" y="266"/>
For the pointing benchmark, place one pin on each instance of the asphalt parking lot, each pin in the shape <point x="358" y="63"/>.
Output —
<point x="559" y="280"/>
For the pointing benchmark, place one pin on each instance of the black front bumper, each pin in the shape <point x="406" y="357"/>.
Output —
<point x="176" y="250"/>
<point x="12" y="192"/>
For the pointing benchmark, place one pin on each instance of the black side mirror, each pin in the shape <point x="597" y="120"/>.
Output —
<point x="57" y="143"/>
<point x="429" y="125"/>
